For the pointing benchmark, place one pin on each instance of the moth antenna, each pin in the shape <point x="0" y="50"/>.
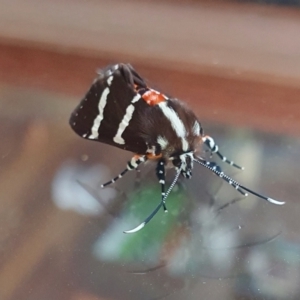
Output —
<point x="232" y="182"/>
<point x="148" y="219"/>
<point x="210" y="143"/>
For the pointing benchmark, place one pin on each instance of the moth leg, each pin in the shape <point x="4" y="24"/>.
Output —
<point x="131" y="165"/>
<point x="160" y="172"/>
<point x="149" y="218"/>
<point x="218" y="171"/>
<point x="215" y="169"/>
<point x="210" y="143"/>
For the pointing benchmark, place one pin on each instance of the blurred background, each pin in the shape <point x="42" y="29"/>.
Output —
<point x="237" y="64"/>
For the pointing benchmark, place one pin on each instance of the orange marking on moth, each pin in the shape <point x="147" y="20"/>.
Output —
<point x="137" y="156"/>
<point x="152" y="156"/>
<point x="153" y="97"/>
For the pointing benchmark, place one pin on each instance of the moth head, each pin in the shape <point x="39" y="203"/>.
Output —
<point x="184" y="162"/>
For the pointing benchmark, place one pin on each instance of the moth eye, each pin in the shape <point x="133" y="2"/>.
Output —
<point x="176" y="162"/>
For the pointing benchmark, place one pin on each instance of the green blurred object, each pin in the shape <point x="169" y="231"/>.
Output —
<point x="152" y="237"/>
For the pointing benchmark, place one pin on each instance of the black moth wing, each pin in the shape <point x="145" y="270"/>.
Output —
<point x="117" y="85"/>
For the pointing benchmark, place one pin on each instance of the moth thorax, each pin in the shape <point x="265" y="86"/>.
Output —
<point x="186" y="164"/>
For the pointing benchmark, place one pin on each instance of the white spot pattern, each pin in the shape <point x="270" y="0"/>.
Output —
<point x="196" y="128"/>
<point x="101" y="105"/>
<point x="176" y="123"/>
<point x="109" y="80"/>
<point x="162" y="141"/>
<point x="185" y="144"/>
<point x="125" y="121"/>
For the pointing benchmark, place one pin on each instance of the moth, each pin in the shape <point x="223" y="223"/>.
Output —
<point x="121" y="110"/>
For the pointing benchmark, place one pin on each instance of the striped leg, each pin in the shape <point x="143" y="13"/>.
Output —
<point x="215" y="169"/>
<point x="160" y="172"/>
<point x="131" y="165"/>
<point x="210" y="143"/>
<point x="218" y="171"/>
<point x="149" y="218"/>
